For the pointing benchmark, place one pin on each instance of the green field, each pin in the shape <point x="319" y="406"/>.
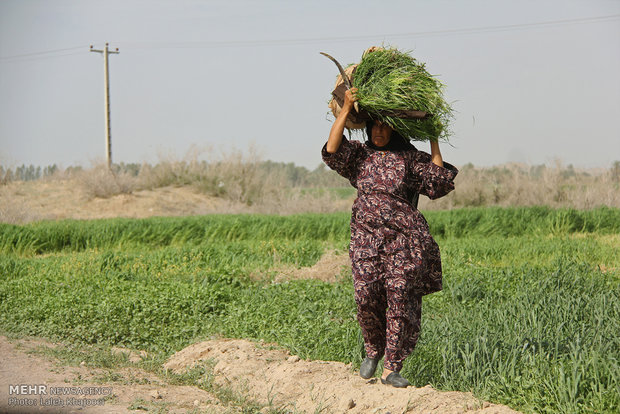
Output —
<point x="529" y="315"/>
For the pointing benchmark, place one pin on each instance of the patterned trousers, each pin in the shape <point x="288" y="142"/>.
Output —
<point x="389" y="313"/>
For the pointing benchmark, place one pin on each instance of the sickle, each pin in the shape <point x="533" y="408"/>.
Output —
<point x="345" y="78"/>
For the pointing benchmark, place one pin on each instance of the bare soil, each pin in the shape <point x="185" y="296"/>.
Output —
<point x="22" y="202"/>
<point x="265" y="375"/>
<point x="274" y="376"/>
<point x="57" y="199"/>
<point x="131" y="387"/>
<point x="331" y="267"/>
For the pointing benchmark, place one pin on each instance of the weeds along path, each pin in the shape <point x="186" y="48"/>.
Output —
<point x="274" y="377"/>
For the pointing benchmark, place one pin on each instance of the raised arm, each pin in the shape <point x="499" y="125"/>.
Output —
<point x="434" y="177"/>
<point x="335" y="135"/>
<point x="436" y="154"/>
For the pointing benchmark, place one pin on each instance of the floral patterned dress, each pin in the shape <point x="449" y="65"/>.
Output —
<point x="394" y="258"/>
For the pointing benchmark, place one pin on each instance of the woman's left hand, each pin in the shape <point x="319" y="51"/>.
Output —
<point x="436" y="154"/>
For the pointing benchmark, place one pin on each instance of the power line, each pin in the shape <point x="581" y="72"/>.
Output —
<point x="46" y="52"/>
<point x="278" y="42"/>
<point x="31" y="58"/>
<point x="299" y="41"/>
<point x="485" y="29"/>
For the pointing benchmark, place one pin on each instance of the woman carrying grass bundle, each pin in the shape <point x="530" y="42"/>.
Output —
<point x="395" y="260"/>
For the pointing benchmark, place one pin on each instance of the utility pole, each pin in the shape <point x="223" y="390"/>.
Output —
<point x="106" y="74"/>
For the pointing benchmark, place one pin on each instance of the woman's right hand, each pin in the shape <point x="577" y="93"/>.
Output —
<point x="335" y="134"/>
<point x="350" y="97"/>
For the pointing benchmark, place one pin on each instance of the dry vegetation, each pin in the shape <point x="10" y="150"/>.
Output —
<point x="238" y="182"/>
<point x="524" y="185"/>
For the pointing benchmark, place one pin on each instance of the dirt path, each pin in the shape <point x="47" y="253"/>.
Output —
<point x="261" y="374"/>
<point x="131" y="388"/>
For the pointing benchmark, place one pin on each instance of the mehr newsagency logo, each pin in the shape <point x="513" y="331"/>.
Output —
<point x="29" y="395"/>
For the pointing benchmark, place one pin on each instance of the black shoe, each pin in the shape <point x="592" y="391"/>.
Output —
<point x="368" y="367"/>
<point x="395" y="380"/>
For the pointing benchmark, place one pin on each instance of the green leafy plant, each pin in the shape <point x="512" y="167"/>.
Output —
<point x="390" y="81"/>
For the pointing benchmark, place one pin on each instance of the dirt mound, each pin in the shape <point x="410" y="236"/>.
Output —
<point x="22" y="202"/>
<point x="331" y="267"/>
<point x="268" y="374"/>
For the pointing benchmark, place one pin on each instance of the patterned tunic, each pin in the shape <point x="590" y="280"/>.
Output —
<point x="395" y="260"/>
<point x="383" y="221"/>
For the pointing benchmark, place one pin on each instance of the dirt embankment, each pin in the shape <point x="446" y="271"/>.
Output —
<point x="317" y="386"/>
<point x="266" y="376"/>
<point x="22" y="202"/>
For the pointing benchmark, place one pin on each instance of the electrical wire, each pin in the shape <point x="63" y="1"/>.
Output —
<point x="47" y="51"/>
<point x="300" y="41"/>
<point x="278" y="42"/>
<point x="30" y="58"/>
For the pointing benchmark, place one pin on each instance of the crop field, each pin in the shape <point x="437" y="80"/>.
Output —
<point x="529" y="315"/>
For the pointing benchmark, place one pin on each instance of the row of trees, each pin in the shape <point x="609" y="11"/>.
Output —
<point x="26" y="173"/>
<point x="295" y="176"/>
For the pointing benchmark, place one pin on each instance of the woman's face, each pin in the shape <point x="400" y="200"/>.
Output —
<point x="381" y="133"/>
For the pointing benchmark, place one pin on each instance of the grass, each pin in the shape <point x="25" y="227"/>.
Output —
<point x="75" y="236"/>
<point x="535" y="337"/>
<point x="389" y="80"/>
<point x="528" y="317"/>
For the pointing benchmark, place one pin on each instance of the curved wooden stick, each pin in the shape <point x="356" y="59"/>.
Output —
<point x="345" y="78"/>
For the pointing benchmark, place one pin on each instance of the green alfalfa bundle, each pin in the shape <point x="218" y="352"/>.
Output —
<point x="391" y="83"/>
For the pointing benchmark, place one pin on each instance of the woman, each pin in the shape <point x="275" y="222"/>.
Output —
<point x="395" y="261"/>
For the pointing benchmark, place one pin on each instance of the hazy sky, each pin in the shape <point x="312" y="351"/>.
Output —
<point x="197" y="76"/>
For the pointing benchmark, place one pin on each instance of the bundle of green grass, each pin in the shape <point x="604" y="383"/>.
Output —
<point x="391" y="84"/>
